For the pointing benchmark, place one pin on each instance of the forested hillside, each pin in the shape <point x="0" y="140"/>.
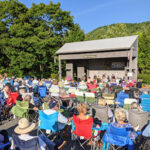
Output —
<point x="119" y="29"/>
<point x="126" y="29"/>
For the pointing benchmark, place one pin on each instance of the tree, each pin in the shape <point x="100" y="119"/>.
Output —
<point x="143" y="53"/>
<point x="34" y="36"/>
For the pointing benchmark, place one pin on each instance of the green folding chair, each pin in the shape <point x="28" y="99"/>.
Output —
<point x="20" y="109"/>
<point x="128" y="102"/>
<point x="90" y="98"/>
<point x="80" y="97"/>
<point x="83" y="90"/>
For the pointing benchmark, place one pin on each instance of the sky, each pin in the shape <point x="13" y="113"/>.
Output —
<point x="91" y="14"/>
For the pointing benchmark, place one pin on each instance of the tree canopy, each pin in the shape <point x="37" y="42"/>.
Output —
<point x="29" y="37"/>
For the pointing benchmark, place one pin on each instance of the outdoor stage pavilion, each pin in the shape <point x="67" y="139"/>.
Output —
<point x="118" y="56"/>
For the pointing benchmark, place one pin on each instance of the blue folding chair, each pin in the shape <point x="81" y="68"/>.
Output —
<point x="121" y="97"/>
<point x="48" y="84"/>
<point x="117" y="137"/>
<point x="42" y="91"/>
<point x="2" y="98"/>
<point x="4" y="145"/>
<point x="37" y="101"/>
<point x="48" y="122"/>
<point x="144" y="96"/>
<point x="19" y="144"/>
<point x="145" y="102"/>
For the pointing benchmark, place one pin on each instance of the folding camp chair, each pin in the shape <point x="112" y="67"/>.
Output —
<point x="22" y="90"/>
<point x="42" y="91"/>
<point x="101" y="113"/>
<point x="117" y="138"/>
<point x="54" y="92"/>
<point x="48" y="122"/>
<point x="21" y="109"/>
<point x="31" y="94"/>
<point x="128" y="102"/>
<point x="144" y="90"/>
<point x="109" y="99"/>
<point x="116" y="89"/>
<point x="138" y="118"/>
<point x="83" y="90"/>
<point x="82" y="132"/>
<point x="72" y="90"/>
<point x="95" y="90"/>
<point x="37" y="101"/>
<point x="90" y="98"/>
<point x="12" y="98"/>
<point x="80" y="97"/>
<point x="145" y="102"/>
<point x="48" y="84"/>
<point x="19" y="144"/>
<point x="4" y="145"/>
<point x="121" y="97"/>
<point x="2" y="99"/>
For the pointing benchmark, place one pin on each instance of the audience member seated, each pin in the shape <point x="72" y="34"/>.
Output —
<point x="31" y="106"/>
<point x="139" y="84"/>
<point x="82" y="109"/>
<point x="120" y="116"/>
<point x="82" y="84"/>
<point x="88" y="81"/>
<point x="55" y="87"/>
<point x="23" y="88"/>
<point x="137" y="117"/>
<point x="54" y="107"/>
<point x="136" y="107"/>
<point x="63" y="94"/>
<point x="6" y="91"/>
<point x="95" y="79"/>
<point x="46" y="101"/>
<point x="102" y="102"/>
<point x="106" y="89"/>
<point x="124" y="84"/>
<point x="23" y="131"/>
<point x="92" y="86"/>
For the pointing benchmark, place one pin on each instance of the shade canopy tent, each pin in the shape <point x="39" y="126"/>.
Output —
<point x="111" y="56"/>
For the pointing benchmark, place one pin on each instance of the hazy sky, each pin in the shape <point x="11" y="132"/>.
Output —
<point x="90" y="14"/>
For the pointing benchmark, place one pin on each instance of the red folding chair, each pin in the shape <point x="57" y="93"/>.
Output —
<point x="83" y="131"/>
<point x="12" y="98"/>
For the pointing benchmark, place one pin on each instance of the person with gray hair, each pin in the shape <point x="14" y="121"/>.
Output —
<point x="135" y="106"/>
<point x="31" y="106"/>
<point x="120" y="116"/>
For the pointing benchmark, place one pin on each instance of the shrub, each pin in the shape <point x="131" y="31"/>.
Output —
<point x="145" y="78"/>
<point x="55" y="76"/>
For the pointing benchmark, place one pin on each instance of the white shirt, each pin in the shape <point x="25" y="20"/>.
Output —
<point x="26" y="137"/>
<point x="61" y="118"/>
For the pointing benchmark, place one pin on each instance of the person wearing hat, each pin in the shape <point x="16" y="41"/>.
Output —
<point x="23" y="130"/>
<point x="53" y="108"/>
